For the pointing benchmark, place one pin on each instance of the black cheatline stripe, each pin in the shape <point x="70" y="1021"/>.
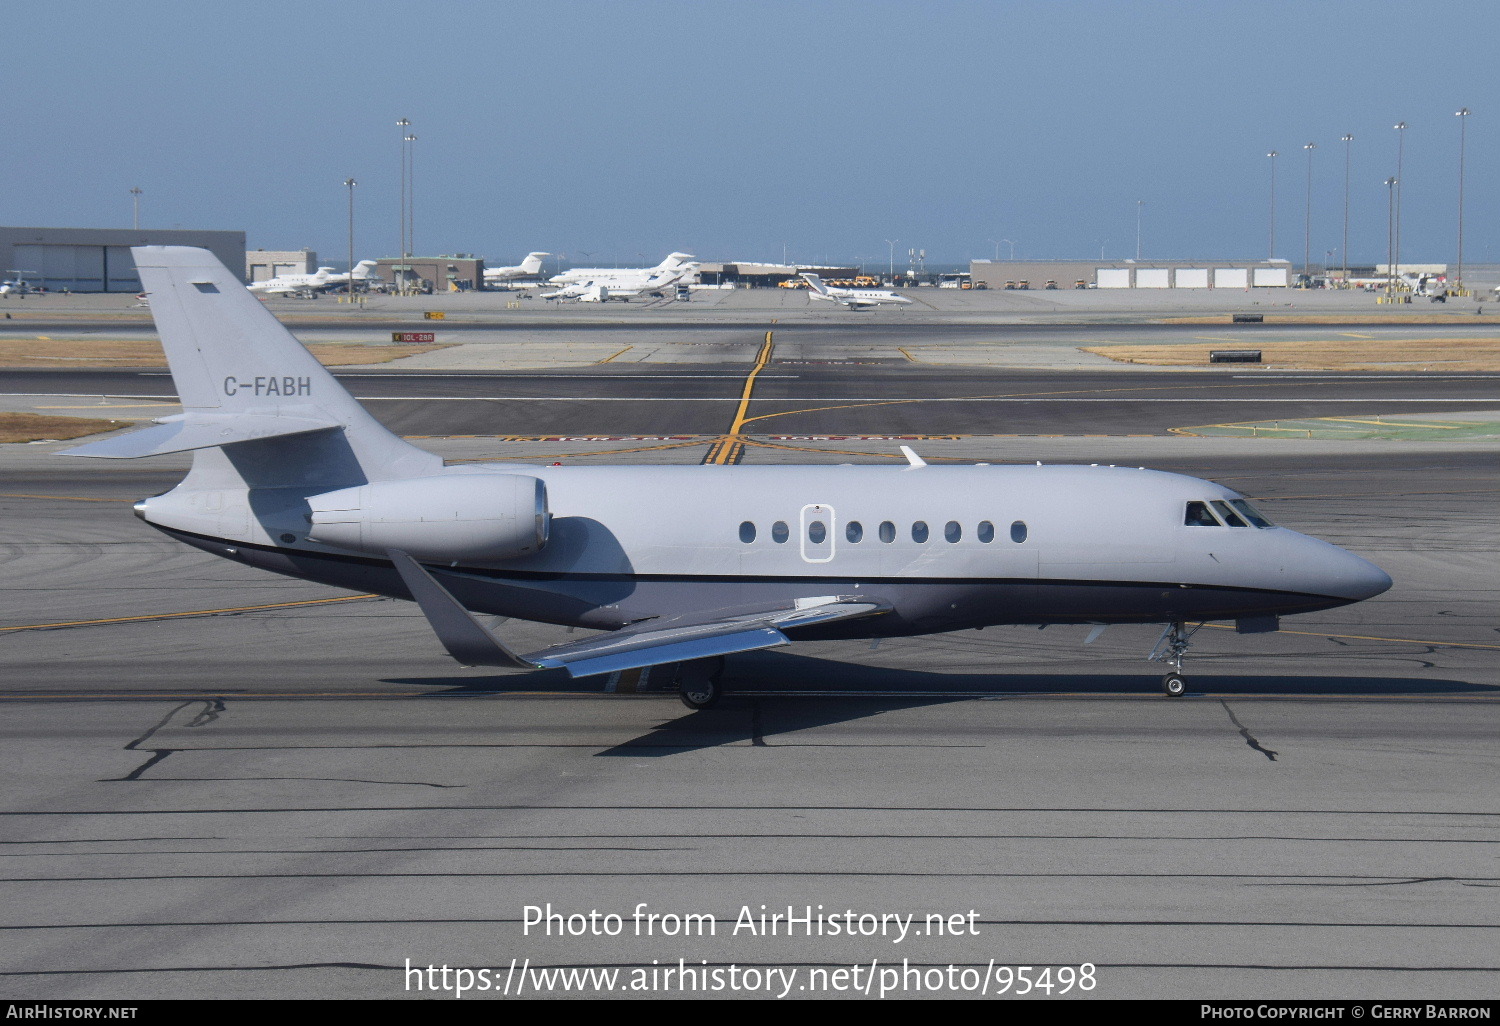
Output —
<point x="503" y="576"/>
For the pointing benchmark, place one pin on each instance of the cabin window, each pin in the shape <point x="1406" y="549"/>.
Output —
<point x="1018" y="531"/>
<point x="816" y="532"/>
<point x="1228" y="515"/>
<point x="779" y="533"/>
<point x="953" y="531"/>
<point x="853" y="531"/>
<point x="985" y="532"/>
<point x="1199" y="515"/>
<point x="919" y="532"/>
<point x="1250" y="513"/>
<point x="747" y="532"/>
<point x="887" y="532"/>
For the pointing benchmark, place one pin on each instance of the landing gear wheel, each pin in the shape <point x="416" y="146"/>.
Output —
<point x="698" y="683"/>
<point x="1173" y="684"/>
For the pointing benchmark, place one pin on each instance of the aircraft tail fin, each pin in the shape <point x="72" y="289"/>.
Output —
<point x="815" y="283"/>
<point x="237" y="369"/>
<point x="533" y="262"/>
<point x="362" y="270"/>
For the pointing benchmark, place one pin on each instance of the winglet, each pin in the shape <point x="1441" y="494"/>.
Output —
<point x="912" y="457"/>
<point x="462" y="635"/>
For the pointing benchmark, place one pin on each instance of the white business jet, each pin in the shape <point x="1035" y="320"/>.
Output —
<point x="680" y="565"/>
<point x="852" y="298"/>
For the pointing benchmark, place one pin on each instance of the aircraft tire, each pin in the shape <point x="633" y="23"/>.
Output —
<point x="698" y="683"/>
<point x="1174" y="685"/>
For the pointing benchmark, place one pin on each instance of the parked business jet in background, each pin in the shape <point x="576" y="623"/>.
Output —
<point x="532" y="265"/>
<point x="680" y="565"/>
<point x="322" y="280"/>
<point x="627" y="285"/>
<point x="676" y="264"/>
<point x="851" y="297"/>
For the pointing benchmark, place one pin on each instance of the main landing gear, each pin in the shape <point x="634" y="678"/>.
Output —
<point x="1170" y="648"/>
<point x="698" y="682"/>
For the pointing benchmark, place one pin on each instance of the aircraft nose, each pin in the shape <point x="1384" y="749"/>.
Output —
<point x="1359" y="579"/>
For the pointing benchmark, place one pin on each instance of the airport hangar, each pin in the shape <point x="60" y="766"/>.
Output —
<point x="98" y="259"/>
<point x="1137" y="274"/>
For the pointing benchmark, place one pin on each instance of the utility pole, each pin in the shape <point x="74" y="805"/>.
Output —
<point x="1463" y="120"/>
<point x="1272" y="254"/>
<point x="1400" y="127"/>
<point x="350" y="183"/>
<point x="1307" y="219"/>
<point x="135" y="203"/>
<point x="1346" y="139"/>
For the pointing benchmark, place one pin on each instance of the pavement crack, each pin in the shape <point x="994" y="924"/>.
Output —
<point x="1245" y="733"/>
<point x="211" y="709"/>
<point x="133" y="745"/>
<point x="157" y="755"/>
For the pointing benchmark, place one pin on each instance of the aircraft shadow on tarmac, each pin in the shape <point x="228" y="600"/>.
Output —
<point x="784" y="693"/>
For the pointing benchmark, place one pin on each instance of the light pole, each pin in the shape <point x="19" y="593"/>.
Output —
<point x="1400" y="128"/>
<point x="1346" y="139"/>
<point x="411" y="196"/>
<point x="1463" y="120"/>
<point x="401" y="249"/>
<point x="1390" y="236"/>
<point x="1307" y="219"/>
<point x="135" y="204"/>
<point x="1138" y="205"/>
<point x="1012" y="246"/>
<point x="997" y="249"/>
<point x="892" y="243"/>
<point x="350" y="183"/>
<point x="1272" y="254"/>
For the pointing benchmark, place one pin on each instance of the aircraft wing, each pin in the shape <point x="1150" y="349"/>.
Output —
<point x="650" y="643"/>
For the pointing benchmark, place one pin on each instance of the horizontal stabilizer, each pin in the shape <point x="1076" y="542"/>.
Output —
<point x="185" y="432"/>
<point x="651" y="643"/>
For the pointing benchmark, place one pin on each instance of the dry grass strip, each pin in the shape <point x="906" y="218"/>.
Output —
<point x="1476" y="355"/>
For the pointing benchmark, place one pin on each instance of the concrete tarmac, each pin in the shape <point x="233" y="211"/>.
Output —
<point x="224" y="783"/>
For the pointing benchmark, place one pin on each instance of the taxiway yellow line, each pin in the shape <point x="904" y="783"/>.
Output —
<point x="195" y="612"/>
<point x="733" y="443"/>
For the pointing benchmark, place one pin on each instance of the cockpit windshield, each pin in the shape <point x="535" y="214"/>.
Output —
<point x="1251" y="513"/>
<point x="1223" y="512"/>
<point x="1228" y="515"/>
<point x="1199" y="515"/>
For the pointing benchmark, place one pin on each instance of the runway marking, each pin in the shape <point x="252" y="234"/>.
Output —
<point x="109" y="406"/>
<point x="1399" y="423"/>
<point x="69" y="498"/>
<point x="195" y="612"/>
<point x="622" y="352"/>
<point x="1367" y="637"/>
<point x="731" y="448"/>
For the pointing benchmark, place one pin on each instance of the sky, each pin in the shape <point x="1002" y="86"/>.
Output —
<point x="615" y="131"/>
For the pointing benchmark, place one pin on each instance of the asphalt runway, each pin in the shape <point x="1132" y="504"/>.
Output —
<point x="843" y="398"/>
<point x="224" y="783"/>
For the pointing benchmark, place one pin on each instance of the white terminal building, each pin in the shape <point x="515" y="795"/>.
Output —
<point x="1132" y="274"/>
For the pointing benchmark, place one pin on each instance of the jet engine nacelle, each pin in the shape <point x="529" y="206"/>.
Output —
<point x="474" y="517"/>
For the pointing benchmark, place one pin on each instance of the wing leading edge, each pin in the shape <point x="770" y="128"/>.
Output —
<point x="650" y="643"/>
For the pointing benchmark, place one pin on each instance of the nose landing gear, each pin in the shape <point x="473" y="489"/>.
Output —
<point x="1170" y="648"/>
